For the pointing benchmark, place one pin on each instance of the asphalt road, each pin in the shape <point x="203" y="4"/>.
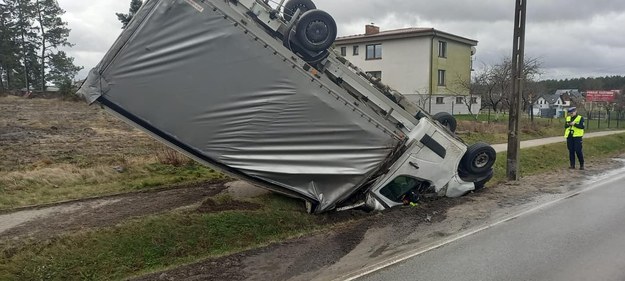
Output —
<point x="581" y="237"/>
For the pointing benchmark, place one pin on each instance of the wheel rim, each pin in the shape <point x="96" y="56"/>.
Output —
<point x="317" y="32"/>
<point x="302" y="7"/>
<point x="481" y="160"/>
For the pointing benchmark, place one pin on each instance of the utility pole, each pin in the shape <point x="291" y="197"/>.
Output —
<point x="518" y="56"/>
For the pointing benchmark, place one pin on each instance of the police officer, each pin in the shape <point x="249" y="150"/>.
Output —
<point x="573" y="132"/>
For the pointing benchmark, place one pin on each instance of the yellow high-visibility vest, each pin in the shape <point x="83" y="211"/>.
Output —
<point x="577" y="132"/>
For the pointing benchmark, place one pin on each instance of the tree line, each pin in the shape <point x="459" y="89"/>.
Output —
<point x="494" y="84"/>
<point x="32" y="34"/>
<point x="586" y="84"/>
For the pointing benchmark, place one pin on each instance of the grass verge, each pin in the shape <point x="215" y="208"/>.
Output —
<point x="556" y="156"/>
<point x="496" y="131"/>
<point x="66" y="182"/>
<point x="156" y="242"/>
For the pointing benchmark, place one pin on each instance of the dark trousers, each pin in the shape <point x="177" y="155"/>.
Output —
<point x="575" y="147"/>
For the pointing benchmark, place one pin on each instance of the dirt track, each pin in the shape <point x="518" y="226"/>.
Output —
<point x="41" y="223"/>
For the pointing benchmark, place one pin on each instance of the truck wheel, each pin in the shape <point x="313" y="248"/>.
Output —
<point x="316" y="30"/>
<point x="447" y="120"/>
<point x="291" y="7"/>
<point x="479" y="158"/>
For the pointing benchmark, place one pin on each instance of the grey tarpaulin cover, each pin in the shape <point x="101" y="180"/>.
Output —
<point x="197" y="80"/>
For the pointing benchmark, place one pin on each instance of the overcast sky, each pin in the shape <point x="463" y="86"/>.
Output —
<point x="573" y="38"/>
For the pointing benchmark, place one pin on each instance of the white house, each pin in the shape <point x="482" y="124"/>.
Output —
<point x="558" y="103"/>
<point x="430" y="67"/>
<point x="540" y="105"/>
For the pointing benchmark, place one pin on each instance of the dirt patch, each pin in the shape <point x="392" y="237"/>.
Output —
<point x="48" y="222"/>
<point x="303" y="258"/>
<point x="366" y="239"/>
<point x="210" y="206"/>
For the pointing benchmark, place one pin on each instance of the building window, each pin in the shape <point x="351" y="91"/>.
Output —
<point x="374" y="52"/>
<point x="440" y="100"/>
<point x="459" y="100"/>
<point x="441" y="78"/>
<point x="355" y="50"/>
<point x="473" y="100"/>
<point x="442" y="49"/>
<point x="343" y="51"/>
<point x="375" y="74"/>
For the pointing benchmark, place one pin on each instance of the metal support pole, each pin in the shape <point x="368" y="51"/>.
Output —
<point x="518" y="56"/>
<point x="280" y="5"/>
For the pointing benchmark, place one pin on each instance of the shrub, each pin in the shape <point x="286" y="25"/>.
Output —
<point x="168" y="156"/>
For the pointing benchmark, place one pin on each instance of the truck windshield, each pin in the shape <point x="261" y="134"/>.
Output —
<point x="398" y="187"/>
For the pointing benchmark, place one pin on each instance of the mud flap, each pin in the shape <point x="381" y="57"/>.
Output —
<point x="457" y="187"/>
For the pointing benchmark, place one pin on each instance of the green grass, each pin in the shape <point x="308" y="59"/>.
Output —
<point x="155" y="243"/>
<point x="551" y="157"/>
<point x="58" y="183"/>
<point x="496" y="132"/>
<point x="483" y="117"/>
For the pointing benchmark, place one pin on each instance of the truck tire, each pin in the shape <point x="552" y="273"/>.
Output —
<point x="316" y="30"/>
<point x="291" y="7"/>
<point x="479" y="158"/>
<point x="447" y="120"/>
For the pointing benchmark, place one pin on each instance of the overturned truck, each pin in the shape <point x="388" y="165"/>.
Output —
<point x="252" y="89"/>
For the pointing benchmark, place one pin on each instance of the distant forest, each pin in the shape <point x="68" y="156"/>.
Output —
<point x="585" y="84"/>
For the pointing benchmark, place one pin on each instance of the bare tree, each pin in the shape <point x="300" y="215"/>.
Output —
<point x="531" y="94"/>
<point x="422" y="97"/>
<point x="620" y="103"/>
<point x="468" y="91"/>
<point x="496" y="87"/>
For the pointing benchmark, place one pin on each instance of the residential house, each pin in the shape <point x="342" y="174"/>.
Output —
<point x="430" y="67"/>
<point x="543" y="103"/>
<point x="574" y="93"/>
<point x="555" y="105"/>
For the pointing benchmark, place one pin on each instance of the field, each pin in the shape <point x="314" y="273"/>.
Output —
<point x="54" y="150"/>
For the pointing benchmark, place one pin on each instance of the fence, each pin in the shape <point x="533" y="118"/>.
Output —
<point x="598" y="120"/>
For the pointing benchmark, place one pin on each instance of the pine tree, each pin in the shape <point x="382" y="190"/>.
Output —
<point x="31" y="32"/>
<point x="6" y="48"/>
<point x="53" y="33"/>
<point x="24" y="36"/>
<point x="135" y="5"/>
<point x="62" y="68"/>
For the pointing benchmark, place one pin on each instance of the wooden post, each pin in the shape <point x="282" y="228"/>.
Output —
<point x="518" y="56"/>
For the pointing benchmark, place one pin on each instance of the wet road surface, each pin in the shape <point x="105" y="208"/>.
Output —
<point x="581" y="237"/>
